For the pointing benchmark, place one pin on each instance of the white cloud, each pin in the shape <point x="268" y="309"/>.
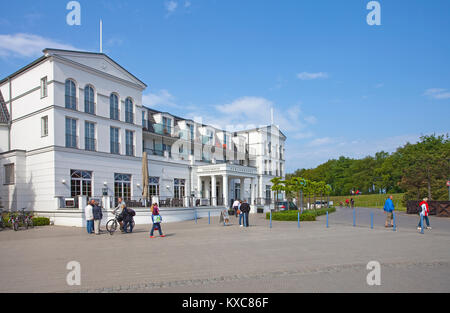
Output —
<point x="171" y="6"/>
<point x="311" y="76"/>
<point x="321" y="150"/>
<point x="187" y="4"/>
<point x="161" y="98"/>
<point x="28" y="45"/>
<point x="320" y="142"/>
<point x="437" y="93"/>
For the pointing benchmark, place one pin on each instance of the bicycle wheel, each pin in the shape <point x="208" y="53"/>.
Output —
<point x="25" y="223"/>
<point x="30" y="223"/>
<point x="111" y="226"/>
<point x="16" y="226"/>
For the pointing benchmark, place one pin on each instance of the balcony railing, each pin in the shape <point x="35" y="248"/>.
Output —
<point x="71" y="102"/>
<point x="89" y="107"/>
<point x="115" y="148"/>
<point x="154" y="152"/>
<point x="90" y="144"/>
<point x="71" y="141"/>
<point x="129" y="150"/>
<point x="114" y="114"/>
<point x="129" y="117"/>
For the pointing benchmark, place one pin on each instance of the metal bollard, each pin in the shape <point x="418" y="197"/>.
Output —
<point x="371" y="220"/>
<point x="354" y="218"/>
<point x="327" y="220"/>
<point x="245" y="220"/>
<point x="395" y="223"/>
<point x="270" y="218"/>
<point x="298" y="220"/>
<point x="195" y="216"/>
<point x="209" y="217"/>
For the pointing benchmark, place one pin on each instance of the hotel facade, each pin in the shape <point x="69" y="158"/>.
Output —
<point x="73" y="127"/>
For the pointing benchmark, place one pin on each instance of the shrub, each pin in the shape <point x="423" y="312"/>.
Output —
<point x="306" y="216"/>
<point x="41" y="221"/>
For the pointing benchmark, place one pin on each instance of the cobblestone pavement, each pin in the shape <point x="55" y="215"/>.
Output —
<point x="213" y="258"/>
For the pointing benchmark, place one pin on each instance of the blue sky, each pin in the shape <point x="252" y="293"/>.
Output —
<point x="337" y="85"/>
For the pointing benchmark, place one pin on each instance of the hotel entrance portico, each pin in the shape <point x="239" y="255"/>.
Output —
<point x="214" y="183"/>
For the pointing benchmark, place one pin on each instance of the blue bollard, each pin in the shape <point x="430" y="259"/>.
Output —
<point x="395" y="224"/>
<point x="270" y="218"/>
<point x="327" y="219"/>
<point x="195" y="215"/>
<point x="209" y="217"/>
<point x="354" y="218"/>
<point x="245" y="220"/>
<point x="298" y="220"/>
<point x="371" y="220"/>
<point x="421" y="224"/>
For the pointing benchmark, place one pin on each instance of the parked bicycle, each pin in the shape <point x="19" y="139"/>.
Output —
<point x="26" y="218"/>
<point x="14" y="221"/>
<point x="2" y="224"/>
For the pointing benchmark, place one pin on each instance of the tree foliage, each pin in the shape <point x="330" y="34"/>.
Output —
<point x="419" y="170"/>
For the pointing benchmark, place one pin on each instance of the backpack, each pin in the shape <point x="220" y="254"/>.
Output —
<point x="131" y="212"/>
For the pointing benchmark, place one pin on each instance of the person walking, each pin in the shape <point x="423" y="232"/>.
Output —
<point x="98" y="215"/>
<point x="352" y="202"/>
<point x="156" y="220"/>
<point x="245" y="209"/>
<point x="389" y="209"/>
<point x="88" y="213"/>
<point x="425" y="211"/>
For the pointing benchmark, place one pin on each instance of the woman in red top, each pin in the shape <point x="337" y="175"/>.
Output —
<point x="156" y="219"/>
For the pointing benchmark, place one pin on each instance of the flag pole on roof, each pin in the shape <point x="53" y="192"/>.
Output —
<point x="101" y="36"/>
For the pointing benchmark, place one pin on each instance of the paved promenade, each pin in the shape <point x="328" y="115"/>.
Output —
<point x="212" y="258"/>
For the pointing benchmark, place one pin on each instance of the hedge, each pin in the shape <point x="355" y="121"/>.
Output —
<point x="292" y="215"/>
<point x="37" y="221"/>
<point x="41" y="221"/>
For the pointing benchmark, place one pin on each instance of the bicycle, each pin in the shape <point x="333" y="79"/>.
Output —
<point x="26" y="219"/>
<point x="14" y="222"/>
<point x="2" y="224"/>
<point x="111" y="225"/>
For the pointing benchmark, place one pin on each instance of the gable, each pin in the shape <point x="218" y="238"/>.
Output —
<point x="97" y="61"/>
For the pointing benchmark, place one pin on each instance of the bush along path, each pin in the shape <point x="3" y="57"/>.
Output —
<point x="292" y="216"/>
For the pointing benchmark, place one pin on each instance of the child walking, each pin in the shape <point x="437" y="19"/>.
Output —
<point x="156" y="219"/>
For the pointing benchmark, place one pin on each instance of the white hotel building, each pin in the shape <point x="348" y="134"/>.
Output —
<point x="73" y="127"/>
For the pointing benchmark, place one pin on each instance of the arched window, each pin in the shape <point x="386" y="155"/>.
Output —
<point x="114" y="107"/>
<point x="129" y="118"/>
<point x="89" y="105"/>
<point x="71" y="95"/>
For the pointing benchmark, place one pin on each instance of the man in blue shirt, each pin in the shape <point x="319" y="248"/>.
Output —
<point x="389" y="209"/>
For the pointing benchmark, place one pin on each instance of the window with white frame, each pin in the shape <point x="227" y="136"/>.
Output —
<point x="44" y="92"/>
<point x="9" y="174"/>
<point x="153" y="186"/>
<point x="44" y="126"/>
<point x="179" y="188"/>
